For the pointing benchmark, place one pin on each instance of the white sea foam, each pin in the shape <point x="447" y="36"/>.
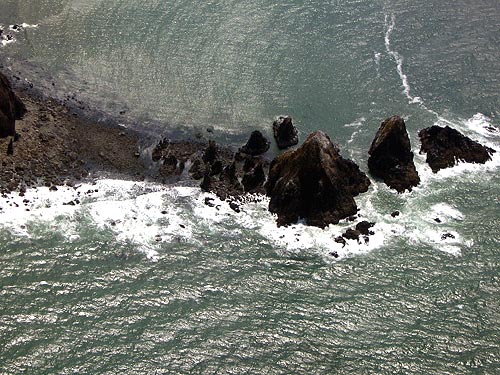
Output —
<point x="135" y="212"/>
<point x="149" y="215"/>
<point x="445" y="212"/>
<point x="482" y="124"/>
<point x="376" y="58"/>
<point x="356" y="123"/>
<point x="390" y="23"/>
<point x="19" y="27"/>
<point x="4" y="40"/>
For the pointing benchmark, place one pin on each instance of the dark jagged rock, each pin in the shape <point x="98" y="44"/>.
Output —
<point x="234" y="206"/>
<point x="10" y="148"/>
<point x="173" y="156"/>
<point x="341" y="240"/>
<point x="256" y="145"/>
<point x="391" y="158"/>
<point x="229" y="172"/>
<point x="216" y="167"/>
<point x="445" y="236"/>
<point x="197" y="169"/>
<point x="254" y="179"/>
<point x="446" y="146"/>
<point x="209" y="202"/>
<point x="315" y="183"/>
<point x="210" y="153"/>
<point x="249" y="164"/>
<point x="170" y="164"/>
<point x="285" y="132"/>
<point x="11" y="108"/>
<point x="395" y="213"/>
<point x="206" y="183"/>
<point x="352" y="234"/>
<point x="364" y="227"/>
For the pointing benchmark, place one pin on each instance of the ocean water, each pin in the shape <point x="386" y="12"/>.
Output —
<point x="142" y="278"/>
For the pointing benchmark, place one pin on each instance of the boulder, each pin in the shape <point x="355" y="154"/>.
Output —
<point x="391" y="158"/>
<point x="314" y="182"/>
<point x="364" y="226"/>
<point x="446" y="146"/>
<point x="352" y="234"/>
<point x="11" y="108"/>
<point x="285" y="132"/>
<point x="256" y="145"/>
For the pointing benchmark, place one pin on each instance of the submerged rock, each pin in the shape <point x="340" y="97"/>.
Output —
<point x="285" y="132"/>
<point x="314" y="183"/>
<point x="391" y="158"/>
<point x="11" y="108"/>
<point x="256" y="145"/>
<point x="446" y="146"/>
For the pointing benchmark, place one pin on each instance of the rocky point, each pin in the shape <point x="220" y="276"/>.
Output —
<point x="314" y="183"/>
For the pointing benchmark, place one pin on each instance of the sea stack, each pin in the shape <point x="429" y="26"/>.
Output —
<point x="314" y="183"/>
<point x="285" y="132"/>
<point x="256" y="145"/>
<point x="391" y="158"/>
<point x="11" y="108"/>
<point x="446" y="146"/>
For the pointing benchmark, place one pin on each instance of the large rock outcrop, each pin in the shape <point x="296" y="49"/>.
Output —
<point x="391" y="158"/>
<point x="11" y="108"/>
<point x="446" y="146"/>
<point x="285" y="132"/>
<point x="257" y="144"/>
<point x="314" y="183"/>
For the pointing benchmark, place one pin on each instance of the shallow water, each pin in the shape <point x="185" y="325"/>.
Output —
<point x="143" y="278"/>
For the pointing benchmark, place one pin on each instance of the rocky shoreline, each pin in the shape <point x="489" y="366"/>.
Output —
<point x="53" y="147"/>
<point x="46" y="143"/>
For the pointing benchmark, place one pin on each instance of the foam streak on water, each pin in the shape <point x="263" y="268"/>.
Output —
<point x="390" y="23"/>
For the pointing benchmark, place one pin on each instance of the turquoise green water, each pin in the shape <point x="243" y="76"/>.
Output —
<point x="116" y="286"/>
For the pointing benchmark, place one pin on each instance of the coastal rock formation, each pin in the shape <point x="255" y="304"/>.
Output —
<point x="364" y="227"/>
<point x="256" y="145"/>
<point x="218" y="168"/>
<point x="446" y="146"/>
<point x="254" y="179"/>
<point x="53" y="147"/>
<point x="314" y="183"/>
<point x="285" y="132"/>
<point x="11" y="108"/>
<point x="173" y="156"/>
<point x="391" y="158"/>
